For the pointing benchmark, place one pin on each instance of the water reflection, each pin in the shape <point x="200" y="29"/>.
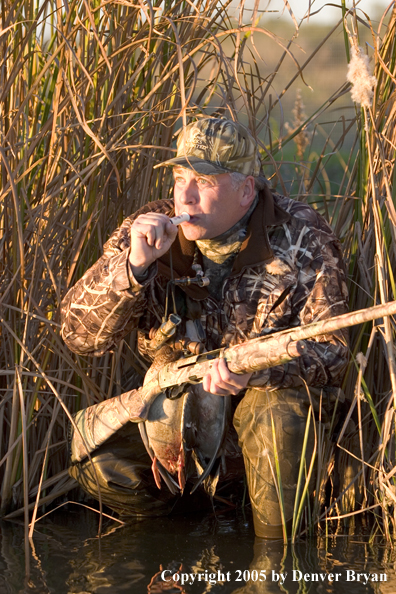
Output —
<point x="191" y="555"/>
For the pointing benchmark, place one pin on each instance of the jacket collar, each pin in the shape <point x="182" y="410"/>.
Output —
<point x="255" y="249"/>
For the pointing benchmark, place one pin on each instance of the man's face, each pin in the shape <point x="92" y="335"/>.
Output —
<point x="212" y="201"/>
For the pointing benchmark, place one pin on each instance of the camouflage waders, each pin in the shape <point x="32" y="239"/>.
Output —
<point x="123" y="471"/>
<point x="123" y="467"/>
<point x="261" y="418"/>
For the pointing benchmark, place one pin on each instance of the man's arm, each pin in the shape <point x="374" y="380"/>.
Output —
<point x="107" y="302"/>
<point x="321" y="293"/>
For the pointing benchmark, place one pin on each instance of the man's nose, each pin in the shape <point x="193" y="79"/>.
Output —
<point x="189" y="194"/>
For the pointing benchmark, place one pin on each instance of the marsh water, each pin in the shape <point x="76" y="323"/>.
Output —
<point x="211" y="552"/>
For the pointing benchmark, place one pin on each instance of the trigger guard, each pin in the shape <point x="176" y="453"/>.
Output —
<point x="175" y="392"/>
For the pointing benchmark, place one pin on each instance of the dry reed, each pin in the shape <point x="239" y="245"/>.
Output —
<point x="91" y="97"/>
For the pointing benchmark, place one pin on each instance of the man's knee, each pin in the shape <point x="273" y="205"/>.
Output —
<point x="125" y="486"/>
<point x="266" y="420"/>
<point x="272" y="425"/>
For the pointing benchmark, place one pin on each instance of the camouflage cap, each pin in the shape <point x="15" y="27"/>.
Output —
<point x="216" y="145"/>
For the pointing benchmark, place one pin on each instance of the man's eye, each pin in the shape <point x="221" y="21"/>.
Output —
<point x="179" y="180"/>
<point x="202" y="181"/>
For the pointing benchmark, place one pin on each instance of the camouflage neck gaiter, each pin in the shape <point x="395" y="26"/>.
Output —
<point x="219" y="253"/>
<point x="221" y="247"/>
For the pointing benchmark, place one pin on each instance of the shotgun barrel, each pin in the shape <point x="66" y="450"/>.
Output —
<point x="265" y="351"/>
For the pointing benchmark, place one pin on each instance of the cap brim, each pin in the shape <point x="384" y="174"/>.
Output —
<point x="196" y="164"/>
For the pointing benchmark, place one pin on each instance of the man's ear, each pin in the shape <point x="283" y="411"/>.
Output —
<point x="249" y="192"/>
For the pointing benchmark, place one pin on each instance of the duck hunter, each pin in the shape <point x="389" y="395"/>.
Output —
<point x="246" y="262"/>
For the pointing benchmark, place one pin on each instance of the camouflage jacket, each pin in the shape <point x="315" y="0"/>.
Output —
<point x="288" y="272"/>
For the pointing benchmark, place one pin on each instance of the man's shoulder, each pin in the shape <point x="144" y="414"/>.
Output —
<point x="161" y="206"/>
<point x="304" y="216"/>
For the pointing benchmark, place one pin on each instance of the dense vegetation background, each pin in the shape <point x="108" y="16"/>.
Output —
<point x="92" y="95"/>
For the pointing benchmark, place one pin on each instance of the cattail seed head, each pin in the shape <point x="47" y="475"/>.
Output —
<point x="362" y="82"/>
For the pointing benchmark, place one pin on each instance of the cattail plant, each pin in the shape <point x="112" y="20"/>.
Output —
<point x="368" y="224"/>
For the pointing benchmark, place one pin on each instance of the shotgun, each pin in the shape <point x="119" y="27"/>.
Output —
<point x="253" y="355"/>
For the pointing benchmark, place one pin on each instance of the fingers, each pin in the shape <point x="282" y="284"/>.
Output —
<point x="156" y="228"/>
<point x="222" y="381"/>
<point x="152" y="234"/>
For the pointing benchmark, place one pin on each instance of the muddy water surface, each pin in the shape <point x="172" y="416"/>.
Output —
<point x="208" y="553"/>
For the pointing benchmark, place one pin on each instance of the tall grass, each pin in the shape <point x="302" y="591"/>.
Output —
<point x="92" y="95"/>
<point x="371" y="250"/>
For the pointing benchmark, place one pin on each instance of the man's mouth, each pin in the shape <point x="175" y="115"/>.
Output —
<point x="192" y="219"/>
